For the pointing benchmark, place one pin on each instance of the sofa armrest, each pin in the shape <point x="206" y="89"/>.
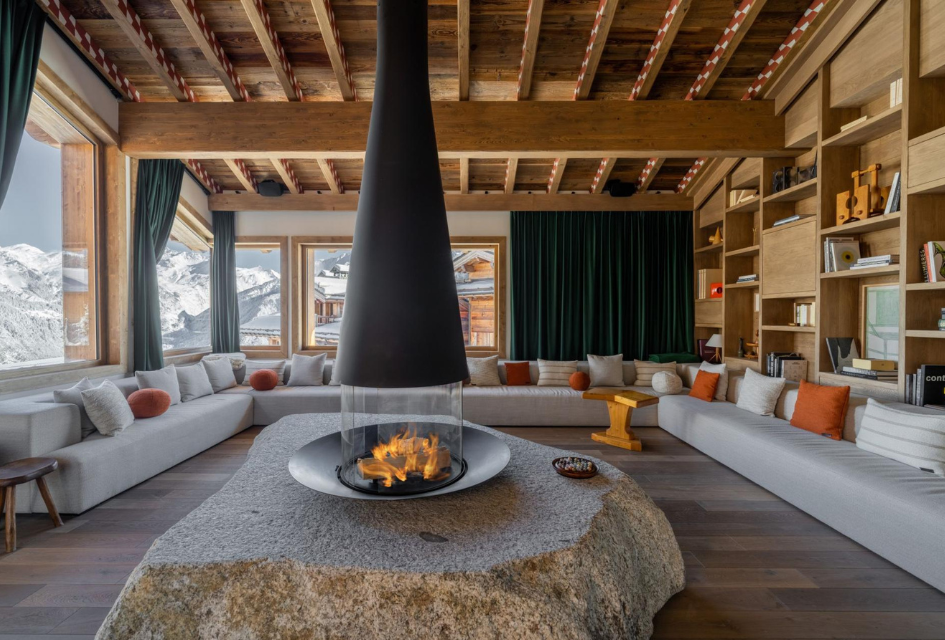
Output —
<point x="30" y="429"/>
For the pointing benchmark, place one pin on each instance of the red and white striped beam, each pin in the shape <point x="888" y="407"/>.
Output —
<point x="288" y="175"/>
<point x="336" y="51"/>
<point x="784" y="49"/>
<point x="595" y="46"/>
<point x="269" y="39"/>
<point x="557" y="173"/>
<point x="81" y="38"/>
<point x="529" y="48"/>
<point x="603" y="173"/>
<point x="243" y="174"/>
<point x="331" y="176"/>
<point x="725" y="47"/>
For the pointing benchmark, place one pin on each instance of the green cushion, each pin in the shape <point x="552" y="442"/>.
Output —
<point x="674" y="357"/>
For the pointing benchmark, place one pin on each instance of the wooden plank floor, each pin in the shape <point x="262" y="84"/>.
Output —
<point x="756" y="566"/>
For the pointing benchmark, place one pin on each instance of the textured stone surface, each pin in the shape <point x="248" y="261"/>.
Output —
<point x="530" y="554"/>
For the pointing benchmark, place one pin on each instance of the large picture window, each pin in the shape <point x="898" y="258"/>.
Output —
<point x="261" y="263"/>
<point x="322" y="276"/>
<point x="48" y="261"/>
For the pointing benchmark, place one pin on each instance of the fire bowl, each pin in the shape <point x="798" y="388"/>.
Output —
<point x="316" y="466"/>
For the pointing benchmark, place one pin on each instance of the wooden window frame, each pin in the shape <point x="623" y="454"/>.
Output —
<point x="282" y="244"/>
<point x="300" y="243"/>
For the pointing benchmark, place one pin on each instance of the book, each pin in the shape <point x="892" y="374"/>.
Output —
<point x="795" y="370"/>
<point x="934" y="255"/>
<point x="844" y="254"/>
<point x="705" y="280"/>
<point x="874" y="364"/>
<point x="923" y="265"/>
<point x="866" y="376"/>
<point x="842" y="352"/>
<point x="778" y="223"/>
<point x="829" y="265"/>
<point x="867" y="373"/>
<point x="751" y="277"/>
<point x="892" y="200"/>
<point x="889" y="257"/>
<point x="910" y="387"/>
<point x="738" y="196"/>
<point x="932" y="384"/>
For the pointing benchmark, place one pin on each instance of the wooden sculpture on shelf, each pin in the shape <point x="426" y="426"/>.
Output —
<point x="716" y="238"/>
<point x="865" y="200"/>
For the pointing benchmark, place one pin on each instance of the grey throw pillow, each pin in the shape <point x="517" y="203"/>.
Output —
<point x="252" y="366"/>
<point x="307" y="371"/>
<point x="194" y="383"/>
<point x="220" y="373"/>
<point x="484" y="372"/>
<point x="335" y="380"/>
<point x="73" y="395"/>
<point x="108" y="408"/>
<point x="606" y="371"/>
<point x="759" y="394"/>
<point x="164" y="379"/>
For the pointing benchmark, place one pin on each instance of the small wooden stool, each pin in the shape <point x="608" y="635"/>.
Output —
<point x="20" y="472"/>
<point x="620" y="405"/>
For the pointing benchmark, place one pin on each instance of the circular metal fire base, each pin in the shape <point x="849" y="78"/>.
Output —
<point x="315" y="466"/>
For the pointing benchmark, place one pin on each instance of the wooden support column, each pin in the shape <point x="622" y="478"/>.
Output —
<point x="79" y="259"/>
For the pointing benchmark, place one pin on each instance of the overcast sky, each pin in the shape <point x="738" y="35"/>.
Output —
<point x="32" y="210"/>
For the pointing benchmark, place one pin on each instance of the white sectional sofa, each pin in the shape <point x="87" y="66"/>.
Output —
<point x="96" y="468"/>
<point x="892" y="509"/>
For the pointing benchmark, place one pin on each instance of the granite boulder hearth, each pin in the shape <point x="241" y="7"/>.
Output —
<point x="529" y="554"/>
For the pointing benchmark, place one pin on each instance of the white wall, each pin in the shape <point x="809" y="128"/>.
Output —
<point x="192" y="191"/>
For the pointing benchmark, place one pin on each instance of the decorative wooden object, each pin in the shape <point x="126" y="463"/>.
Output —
<point x="20" y="472"/>
<point x="716" y="238"/>
<point x="867" y="199"/>
<point x="620" y="405"/>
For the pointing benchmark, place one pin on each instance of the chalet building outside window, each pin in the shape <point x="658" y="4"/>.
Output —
<point x="261" y="266"/>
<point x="49" y="275"/>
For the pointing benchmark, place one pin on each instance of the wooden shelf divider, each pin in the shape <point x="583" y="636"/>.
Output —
<point x="797" y="192"/>
<point x="873" y="128"/>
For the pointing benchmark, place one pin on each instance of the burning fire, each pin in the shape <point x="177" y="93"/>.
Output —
<point x="406" y="455"/>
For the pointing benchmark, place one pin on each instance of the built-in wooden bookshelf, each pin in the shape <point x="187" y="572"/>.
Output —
<point x="789" y="259"/>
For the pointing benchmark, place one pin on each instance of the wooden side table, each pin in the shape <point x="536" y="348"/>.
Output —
<point x="620" y="405"/>
<point x="20" y="472"/>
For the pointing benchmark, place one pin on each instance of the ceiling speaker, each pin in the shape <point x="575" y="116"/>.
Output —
<point x="270" y="189"/>
<point x="620" y="189"/>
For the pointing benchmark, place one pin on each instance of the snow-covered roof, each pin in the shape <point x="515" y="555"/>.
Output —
<point x="263" y="326"/>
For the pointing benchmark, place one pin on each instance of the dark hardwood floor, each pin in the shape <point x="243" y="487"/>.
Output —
<point x="756" y="566"/>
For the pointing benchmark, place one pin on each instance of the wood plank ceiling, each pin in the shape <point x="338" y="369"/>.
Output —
<point x="328" y="47"/>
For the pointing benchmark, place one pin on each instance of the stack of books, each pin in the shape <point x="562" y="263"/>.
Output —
<point x="778" y="223"/>
<point x="869" y="369"/>
<point x="707" y="277"/>
<point x="786" y="364"/>
<point x="931" y="256"/>
<point x="751" y="277"/>
<point x="737" y="196"/>
<point x="804" y="314"/>
<point x="926" y="387"/>
<point x="876" y="261"/>
<point x="840" y="253"/>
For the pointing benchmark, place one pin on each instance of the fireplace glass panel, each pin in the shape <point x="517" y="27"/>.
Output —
<point x="401" y="441"/>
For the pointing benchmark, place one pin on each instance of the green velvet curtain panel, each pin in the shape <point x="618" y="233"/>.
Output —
<point x="224" y="303"/>
<point x="159" y="183"/>
<point x="601" y="283"/>
<point x="21" y="36"/>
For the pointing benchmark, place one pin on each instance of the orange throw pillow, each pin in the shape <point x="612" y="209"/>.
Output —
<point x="517" y="374"/>
<point x="264" y="380"/>
<point x="149" y="403"/>
<point x="704" y="386"/>
<point x="579" y="381"/>
<point x="821" y="409"/>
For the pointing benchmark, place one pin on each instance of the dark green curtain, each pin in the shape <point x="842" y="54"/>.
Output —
<point x="21" y="36"/>
<point x="601" y="283"/>
<point x="224" y="304"/>
<point x="159" y="183"/>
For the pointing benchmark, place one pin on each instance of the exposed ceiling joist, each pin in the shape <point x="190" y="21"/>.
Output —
<point x="464" y="175"/>
<point x="297" y="130"/>
<point x="269" y="40"/>
<point x="204" y="177"/>
<point x="665" y="36"/>
<point x="285" y="171"/>
<point x="462" y="45"/>
<point x="649" y="172"/>
<point x="459" y="202"/>
<point x="242" y="173"/>
<point x="510" y="170"/>
<point x="529" y="48"/>
<point x="336" y="51"/>
<point x="595" y="47"/>
<point x="603" y="174"/>
<point x="330" y="173"/>
<point x="557" y="173"/>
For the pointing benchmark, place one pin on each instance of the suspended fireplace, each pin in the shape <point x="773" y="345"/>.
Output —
<point x="401" y="358"/>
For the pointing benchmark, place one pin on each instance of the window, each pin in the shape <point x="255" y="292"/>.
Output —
<point x="480" y="286"/>
<point x="260" y="265"/>
<point x="881" y="322"/>
<point x="49" y="314"/>
<point x="183" y="274"/>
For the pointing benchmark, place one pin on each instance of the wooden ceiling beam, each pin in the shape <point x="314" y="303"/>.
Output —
<point x="595" y="47"/>
<point x="243" y="174"/>
<point x="464" y="175"/>
<point x="146" y="45"/>
<point x="269" y="40"/>
<point x="331" y="176"/>
<point x="649" y="172"/>
<point x="659" y="50"/>
<point x="285" y="171"/>
<point x="459" y="202"/>
<point x="462" y="46"/>
<point x="529" y="48"/>
<point x="336" y="51"/>
<point x="203" y="177"/>
<point x="557" y="173"/>
<point x="596" y="129"/>
<point x="603" y="174"/>
<point x="510" y="170"/>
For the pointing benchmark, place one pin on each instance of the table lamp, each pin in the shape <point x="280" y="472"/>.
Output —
<point x="716" y="343"/>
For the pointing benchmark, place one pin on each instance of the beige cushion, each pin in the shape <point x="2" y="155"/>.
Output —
<point x="555" y="373"/>
<point x="666" y="382"/>
<point x="108" y="408"/>
<point x="73" y="395"/>
<point x="759" y="394"/>
<point x="606" y="371"/>
<point x="164" y="379"/>
<point x="484" y="372"/>
<point x="307" y="371"/>
<point x="913" y="439"/>
<point x="645" y="370"/>
<point x="253" y="366"/>
<point x="722" y="388"/>
<point x="220" y="373"/>
<point x="194" y="383"/>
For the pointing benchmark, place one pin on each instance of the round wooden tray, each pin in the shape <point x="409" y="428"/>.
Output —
<point x="574" y="474"/>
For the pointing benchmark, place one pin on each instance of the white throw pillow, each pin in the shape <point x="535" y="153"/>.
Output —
<point x="759" y="394"/>
<point x="915" y="439"/>
<point x="220" y="373"/>
<point x="645" y="370"/>
<point x="253" y="366"/>
<point x="666" y="382"/>
<point x="722" y="388"/>
<point x="484" y="372"/>
<point x="194" y="383"/>
<point x="164" y="379"/>
<point x="73" y="395"/>
<point x="555" y="373"/>
<point x="606" y="371"/>
<point x="108" y="408"/>
<point x="307" y="371"/>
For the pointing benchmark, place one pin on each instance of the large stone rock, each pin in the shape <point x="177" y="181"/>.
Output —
<point x="529" y="554"/>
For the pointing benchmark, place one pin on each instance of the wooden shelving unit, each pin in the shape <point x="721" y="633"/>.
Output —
<point x="874" y="128"/>
<point x="877" y="223"/>
<point x="796" y="193"/>
<point x="862" y="273"/>
<point x="788" y="328"/>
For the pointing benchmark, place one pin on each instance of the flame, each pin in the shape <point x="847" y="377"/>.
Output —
<point x="406" y="454"/>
